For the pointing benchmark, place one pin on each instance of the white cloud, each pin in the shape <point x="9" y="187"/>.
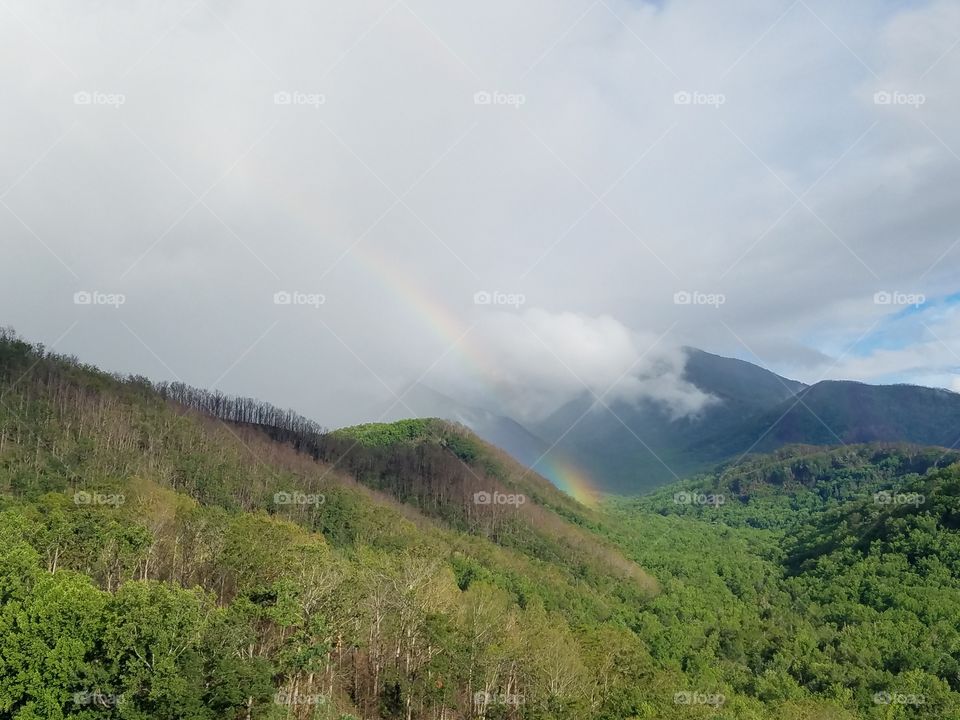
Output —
<point x="536" y="361"/>
<point x="922" y="347"/>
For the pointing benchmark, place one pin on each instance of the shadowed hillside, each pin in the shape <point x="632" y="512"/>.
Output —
<point x="631" y="448"/>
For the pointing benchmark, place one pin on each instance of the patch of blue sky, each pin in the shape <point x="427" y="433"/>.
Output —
<point x="908" y="325"/>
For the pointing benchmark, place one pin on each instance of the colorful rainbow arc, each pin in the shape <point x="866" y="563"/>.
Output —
<point x="445" y="324"/>
<point x="454" y="333"/>
<point x="569" y="478"/>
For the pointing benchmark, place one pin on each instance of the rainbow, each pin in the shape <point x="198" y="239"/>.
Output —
<point x="568" y="477"/>
<point x="444" y="323"/>
<point x="454" y="333"/>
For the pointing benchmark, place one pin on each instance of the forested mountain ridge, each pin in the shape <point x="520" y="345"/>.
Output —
<point x="273" y="584"/>
<point x="834" y="412"/>
<point x="170" y="553"/>
<point x="635" y="447"/>
<point x="505" y="433"/>
<point x="797" y="484"/>
<point x="837" y="571"/>
<point x="438" y="467"/>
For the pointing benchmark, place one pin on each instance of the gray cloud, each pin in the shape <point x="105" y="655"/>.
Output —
<point x="532" y="362"/>
<point x="628" y="152"/>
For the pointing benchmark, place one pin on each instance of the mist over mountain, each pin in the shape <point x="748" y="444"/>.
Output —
<point x="628" y="447"/>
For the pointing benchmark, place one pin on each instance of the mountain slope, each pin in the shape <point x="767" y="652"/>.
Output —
<point x="421" y="401"/>
<point x="737" y="380"/>
<point x="830" y="569"/>
<point x="157" y="561"/>
<point x="633" y="447"/>
<point x="831" y="412"/>
<point x="500" y="431"/>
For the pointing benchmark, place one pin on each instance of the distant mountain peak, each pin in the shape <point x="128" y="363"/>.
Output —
<point x="627" y="447"/>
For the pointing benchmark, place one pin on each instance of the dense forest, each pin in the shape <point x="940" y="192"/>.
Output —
<point x="171" y="553"/>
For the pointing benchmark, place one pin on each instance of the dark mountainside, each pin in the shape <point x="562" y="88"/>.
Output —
<point x="642" y="446"/>
<point x="852" y="412"/>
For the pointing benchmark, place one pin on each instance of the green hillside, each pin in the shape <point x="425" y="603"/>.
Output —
<point x="171" y="553"/>
<point x="159" y="563"/>
<point x="810" y="571"/>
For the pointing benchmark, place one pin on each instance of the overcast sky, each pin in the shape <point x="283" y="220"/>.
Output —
<point x="506" y="201"/>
